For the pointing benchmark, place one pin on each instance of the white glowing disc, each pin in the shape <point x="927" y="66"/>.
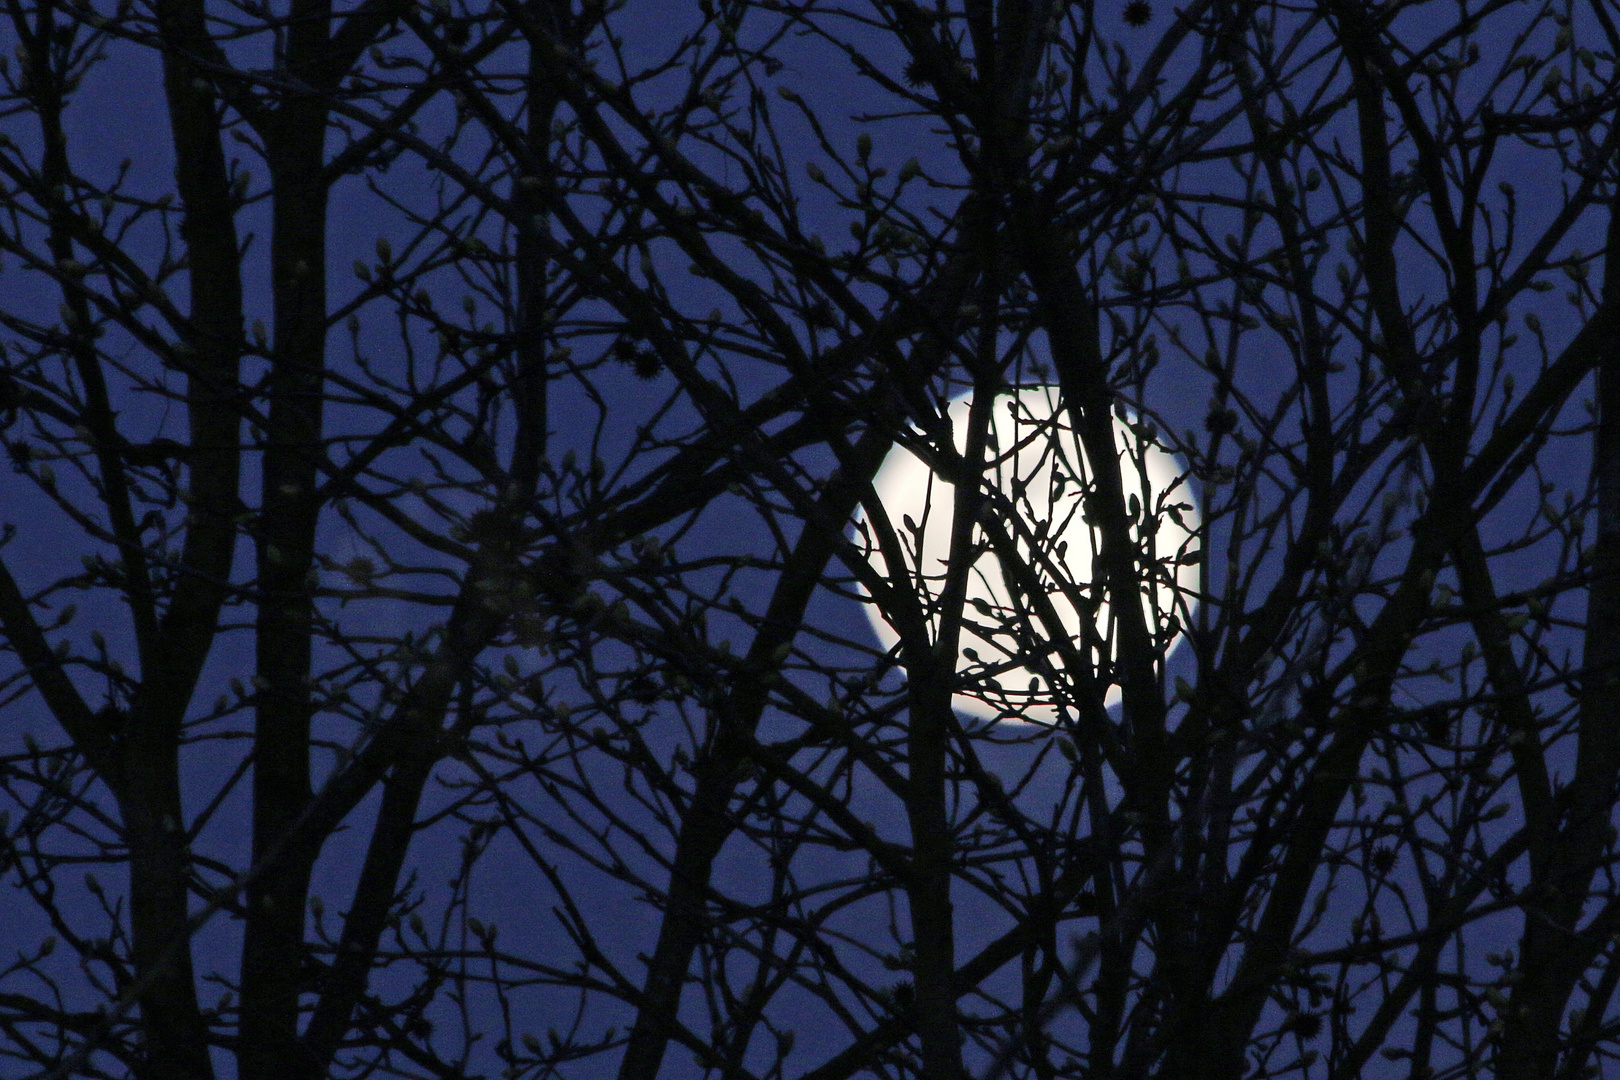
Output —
<point x="1036" y="464"/>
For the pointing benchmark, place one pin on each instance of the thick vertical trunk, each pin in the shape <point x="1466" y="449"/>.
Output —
<point x="273" y="973"/>
<point x="174" y="1032"/>
<point x="928" y="894"/>
<point x="930" y="674"/>
<point x="174" y="1035"/>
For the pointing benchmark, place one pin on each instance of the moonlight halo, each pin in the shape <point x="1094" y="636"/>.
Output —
<point x="1034" y="460"/>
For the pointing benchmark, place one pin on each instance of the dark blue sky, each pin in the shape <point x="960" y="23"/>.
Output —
<point x="119" y="114"/>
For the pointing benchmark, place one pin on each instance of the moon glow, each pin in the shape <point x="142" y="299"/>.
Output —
<point x="1034" y="464"/>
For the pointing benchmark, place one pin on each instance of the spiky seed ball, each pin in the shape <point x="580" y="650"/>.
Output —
<point x="1138" y="12"/>
<point x="643" y="361"/>
<point x="646" y="364"/>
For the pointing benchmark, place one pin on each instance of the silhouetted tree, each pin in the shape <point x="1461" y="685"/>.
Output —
<point x="459" y="669"/>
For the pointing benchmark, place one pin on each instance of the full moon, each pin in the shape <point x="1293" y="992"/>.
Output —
<point x="1034" y="464"/>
